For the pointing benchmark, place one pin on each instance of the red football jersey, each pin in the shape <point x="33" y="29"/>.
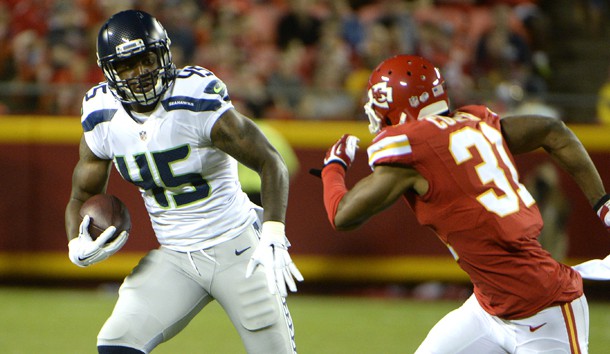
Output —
<point x="479" y="209"/>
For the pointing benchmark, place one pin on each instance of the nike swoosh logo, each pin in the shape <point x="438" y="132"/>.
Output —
<point x="86" y="257"/>
<point x="238" y="253"/>
<point x="217" y="88"/>
<point x="535" y="328"/>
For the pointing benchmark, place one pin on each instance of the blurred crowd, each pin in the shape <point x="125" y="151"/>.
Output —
<point x="284" y="59"/>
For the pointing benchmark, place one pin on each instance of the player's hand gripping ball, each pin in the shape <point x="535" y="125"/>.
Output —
<point x="106" y="210"/>
<point x="104" y="229"/>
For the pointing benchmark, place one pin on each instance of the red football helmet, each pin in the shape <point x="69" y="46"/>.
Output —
<point x="402" y="89"/>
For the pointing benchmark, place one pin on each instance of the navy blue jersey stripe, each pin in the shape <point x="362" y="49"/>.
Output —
<point x="96" y="117"/>
<point x="191" y="104"/>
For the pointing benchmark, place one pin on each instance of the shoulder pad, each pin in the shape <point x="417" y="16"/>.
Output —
<point x="477" y="110"/>
<point x="98" y="98"/>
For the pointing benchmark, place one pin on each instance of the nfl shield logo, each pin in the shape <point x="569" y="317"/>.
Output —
<point x="414" y="101"/>
<point x="143" y="135"/>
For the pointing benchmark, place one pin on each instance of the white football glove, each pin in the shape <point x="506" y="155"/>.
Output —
<point x="83" y="251"/>
<point x="343" y="151"/>
<point x="272" y="254"/>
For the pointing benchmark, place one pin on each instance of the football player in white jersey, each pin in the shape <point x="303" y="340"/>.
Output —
<point x="175" y="134"/>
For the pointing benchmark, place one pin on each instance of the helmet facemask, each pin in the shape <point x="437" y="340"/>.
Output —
<point x="129" y="34"/>
<point x="374" y="120"/>
<point x="145" y="89"/>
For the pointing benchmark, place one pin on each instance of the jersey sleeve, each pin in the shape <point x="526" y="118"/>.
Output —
<point x="481" y="112"/>
<point x="391" y="146"/>
<point x="200" y="92"/>
<point x="216" y="90"/>
<point x="98" y="109"/>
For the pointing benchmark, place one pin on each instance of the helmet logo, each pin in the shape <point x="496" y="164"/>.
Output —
<point x="414" y="101"/>
<point x="129" y="48"/>
<point x="381" y="95"/>
<point x="437" y="90"/>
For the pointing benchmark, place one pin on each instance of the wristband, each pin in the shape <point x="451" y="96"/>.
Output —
<point x="601" y="202"/>
<point x="274" y="228"/>
<point x="338" y="162"/>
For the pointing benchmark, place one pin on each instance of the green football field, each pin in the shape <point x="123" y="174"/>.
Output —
<point x="51" y="321"/>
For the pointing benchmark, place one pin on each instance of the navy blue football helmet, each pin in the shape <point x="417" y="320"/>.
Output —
<point x="127" y="34"/>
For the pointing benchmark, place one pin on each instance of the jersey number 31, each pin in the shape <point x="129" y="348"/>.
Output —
<point x="488" y="143"/>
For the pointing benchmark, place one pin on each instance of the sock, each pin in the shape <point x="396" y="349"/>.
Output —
<point x="115" y="349"/>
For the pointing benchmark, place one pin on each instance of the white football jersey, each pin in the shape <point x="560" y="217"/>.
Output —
<point x="190" y="188"/>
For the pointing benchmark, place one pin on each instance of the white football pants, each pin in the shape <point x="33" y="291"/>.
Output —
<point x="469" y="329"/>
<point x="168" y="288"/>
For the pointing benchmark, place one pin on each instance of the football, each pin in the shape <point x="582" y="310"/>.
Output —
<point x="106" y="210"/>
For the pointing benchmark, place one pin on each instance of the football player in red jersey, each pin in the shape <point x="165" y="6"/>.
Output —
<point x="456" y="171"/>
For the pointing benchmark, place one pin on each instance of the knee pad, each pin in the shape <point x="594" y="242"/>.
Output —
<point x="259" y="308"/>
<point x="118" y="331"/>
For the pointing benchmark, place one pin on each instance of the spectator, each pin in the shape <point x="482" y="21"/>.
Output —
<point x="502" y="54"/>
<point x="181" y="17"/>
<point x="298" y="23"/>
<point x="396" y="16"/>
<point x="352" y="27"/>
<point x="250" y="95"/>
<point x="326" y="98"/>
<point x="30" y="56"/>
<point x="6" y="59"/>
<point x="285" y="84"/>
<point x="603" y="103"/>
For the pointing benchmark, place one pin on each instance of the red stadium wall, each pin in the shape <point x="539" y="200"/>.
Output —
<point x="37" y="156"/>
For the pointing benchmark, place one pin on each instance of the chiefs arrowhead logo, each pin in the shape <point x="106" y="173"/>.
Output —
<point x="381" y="95"/>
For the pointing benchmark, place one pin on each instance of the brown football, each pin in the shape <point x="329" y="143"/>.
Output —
<point x="106" y="210"/>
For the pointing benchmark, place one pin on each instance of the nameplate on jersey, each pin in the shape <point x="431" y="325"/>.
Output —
<point x="191" y="104"/>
